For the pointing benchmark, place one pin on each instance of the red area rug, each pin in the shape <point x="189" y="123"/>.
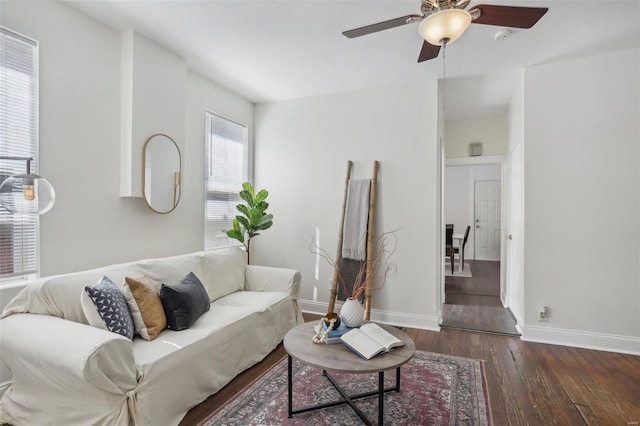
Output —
<point x="435" y="389"/>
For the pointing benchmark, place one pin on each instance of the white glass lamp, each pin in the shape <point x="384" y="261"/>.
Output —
<point x="444" y="27"/>
<point x="26" y="193"/>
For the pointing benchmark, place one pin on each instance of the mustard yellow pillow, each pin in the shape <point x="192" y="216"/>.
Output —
<point x="145" y="306"/>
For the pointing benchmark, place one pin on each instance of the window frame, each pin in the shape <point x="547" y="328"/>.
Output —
<point x="19" y="166"/>
<point x="229" y="195"/>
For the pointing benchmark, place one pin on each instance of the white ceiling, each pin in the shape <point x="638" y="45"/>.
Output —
<point x="269" y="50"/>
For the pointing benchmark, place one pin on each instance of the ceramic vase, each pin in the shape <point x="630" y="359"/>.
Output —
<point x="352" y="313"/>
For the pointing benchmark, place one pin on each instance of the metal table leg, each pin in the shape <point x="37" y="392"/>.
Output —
<point x="380" y="398"/>
<point x="289" y="390"/>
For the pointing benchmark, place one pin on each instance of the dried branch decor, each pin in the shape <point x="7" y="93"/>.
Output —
<point x="382" y="266"/>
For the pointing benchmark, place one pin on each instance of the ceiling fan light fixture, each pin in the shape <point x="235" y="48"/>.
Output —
<point x="445" y="26"/>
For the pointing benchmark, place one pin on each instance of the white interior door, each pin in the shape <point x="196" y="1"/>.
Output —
<point x="487" y="220"/>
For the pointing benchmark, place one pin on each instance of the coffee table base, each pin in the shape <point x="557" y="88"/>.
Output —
<point x="347" y="399"/>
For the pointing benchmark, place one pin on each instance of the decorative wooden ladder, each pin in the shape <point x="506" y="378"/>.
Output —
<point x="370" y="240"/>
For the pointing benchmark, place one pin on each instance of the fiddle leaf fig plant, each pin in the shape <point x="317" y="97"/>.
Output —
<point x="254" y="217"/>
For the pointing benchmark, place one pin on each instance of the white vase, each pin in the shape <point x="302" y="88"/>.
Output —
<point x="352" y="313"/>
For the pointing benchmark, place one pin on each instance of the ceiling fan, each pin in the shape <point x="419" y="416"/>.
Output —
<point x="443" y="21"/>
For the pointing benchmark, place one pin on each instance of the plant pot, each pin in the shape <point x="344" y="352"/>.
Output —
<point x="352" y="313"/>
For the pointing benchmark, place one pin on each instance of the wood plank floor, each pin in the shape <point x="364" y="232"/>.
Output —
<point x="529" y="383"/>
<point x="473" y="303"/>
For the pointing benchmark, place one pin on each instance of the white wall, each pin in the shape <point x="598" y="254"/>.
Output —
<point x="90" y="224"/>
<point x="493" y="132"/>
<point x="459" y="197"/>
<point x="581" y="200"/>
<point x="302" y="148"/>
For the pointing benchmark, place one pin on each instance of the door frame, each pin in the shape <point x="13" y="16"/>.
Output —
<point x="473" y="161"/>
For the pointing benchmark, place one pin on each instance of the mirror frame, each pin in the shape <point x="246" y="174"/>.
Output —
<point x="177" y="185"/>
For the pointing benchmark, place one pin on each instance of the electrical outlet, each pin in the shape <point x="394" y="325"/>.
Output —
<point x="543" y="314"/>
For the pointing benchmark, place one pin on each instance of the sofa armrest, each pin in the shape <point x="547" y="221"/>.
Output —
<point x="267" y="278"/>
<point x="48" y="355"/>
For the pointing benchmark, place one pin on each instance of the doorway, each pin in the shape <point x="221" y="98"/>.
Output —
<point x="473" y="197"/>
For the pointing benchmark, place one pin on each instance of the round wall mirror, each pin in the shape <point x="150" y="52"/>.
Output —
<point x="161" y="173"/>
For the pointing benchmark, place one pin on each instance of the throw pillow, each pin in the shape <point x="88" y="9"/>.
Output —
<point x="105" y="307"/>
<point x="145" y="306"/>
<point x="184" y="303"/>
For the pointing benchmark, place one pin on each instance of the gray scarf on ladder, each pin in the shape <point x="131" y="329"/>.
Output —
<point x="356" y="217"/>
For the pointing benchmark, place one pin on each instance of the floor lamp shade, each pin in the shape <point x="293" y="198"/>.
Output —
<point x="26" y="193"/>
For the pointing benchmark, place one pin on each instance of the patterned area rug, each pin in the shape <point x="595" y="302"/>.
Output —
<point x="435" y="389"/>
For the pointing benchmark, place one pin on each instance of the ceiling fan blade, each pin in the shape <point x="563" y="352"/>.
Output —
<point x="428" y="51"/>
<point x="380" y="26"/>
<point x="508" y="16"/>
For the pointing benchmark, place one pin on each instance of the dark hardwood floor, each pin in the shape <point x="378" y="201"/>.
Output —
<point x="529" y="383"/>
<point x="474" y="303"/>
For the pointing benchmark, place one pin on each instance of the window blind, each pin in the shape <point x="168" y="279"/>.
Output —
<point x="18" y="137"/>
<point x="226" y="164"/>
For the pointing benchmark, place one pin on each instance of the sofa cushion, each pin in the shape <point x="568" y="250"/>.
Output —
<point x="142" y="295"/>
<point x="171" y="269"/>
<point x="256" y="300"/>
<point x="105" y="307"/>
<point x="211" y="322"/>
<point x="223" y="271"/>
<point x="184" y="303"/>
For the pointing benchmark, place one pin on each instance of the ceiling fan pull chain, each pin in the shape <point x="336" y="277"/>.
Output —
<point x="444" y="76"/>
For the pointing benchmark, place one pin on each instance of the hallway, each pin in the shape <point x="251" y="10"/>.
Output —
<point x="474" y="303"/>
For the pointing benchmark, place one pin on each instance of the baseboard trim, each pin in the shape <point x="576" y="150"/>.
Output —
<point x="400" y="319"/>
<point x="582" y="339"/>
<point x="519" y="329"/>
<point x="552" y="336"/>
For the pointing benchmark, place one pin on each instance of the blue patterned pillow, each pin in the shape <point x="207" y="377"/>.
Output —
<point x="105" y="307"/>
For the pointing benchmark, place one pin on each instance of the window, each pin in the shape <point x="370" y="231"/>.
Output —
<point x="18" y="137"/>
<point x="226" y="164"/>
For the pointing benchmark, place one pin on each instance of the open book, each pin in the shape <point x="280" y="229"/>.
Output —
<point x="369" y="340"/>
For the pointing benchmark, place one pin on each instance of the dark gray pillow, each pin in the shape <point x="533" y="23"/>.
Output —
<point x="184" y="303"/>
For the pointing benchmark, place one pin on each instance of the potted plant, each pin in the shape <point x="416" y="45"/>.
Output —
<point x="253" y="219"/>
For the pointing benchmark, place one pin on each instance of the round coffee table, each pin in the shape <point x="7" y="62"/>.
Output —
<point x="339" y="358"/>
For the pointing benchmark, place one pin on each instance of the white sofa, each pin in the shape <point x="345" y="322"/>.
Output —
<point x="65" y="371"/>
